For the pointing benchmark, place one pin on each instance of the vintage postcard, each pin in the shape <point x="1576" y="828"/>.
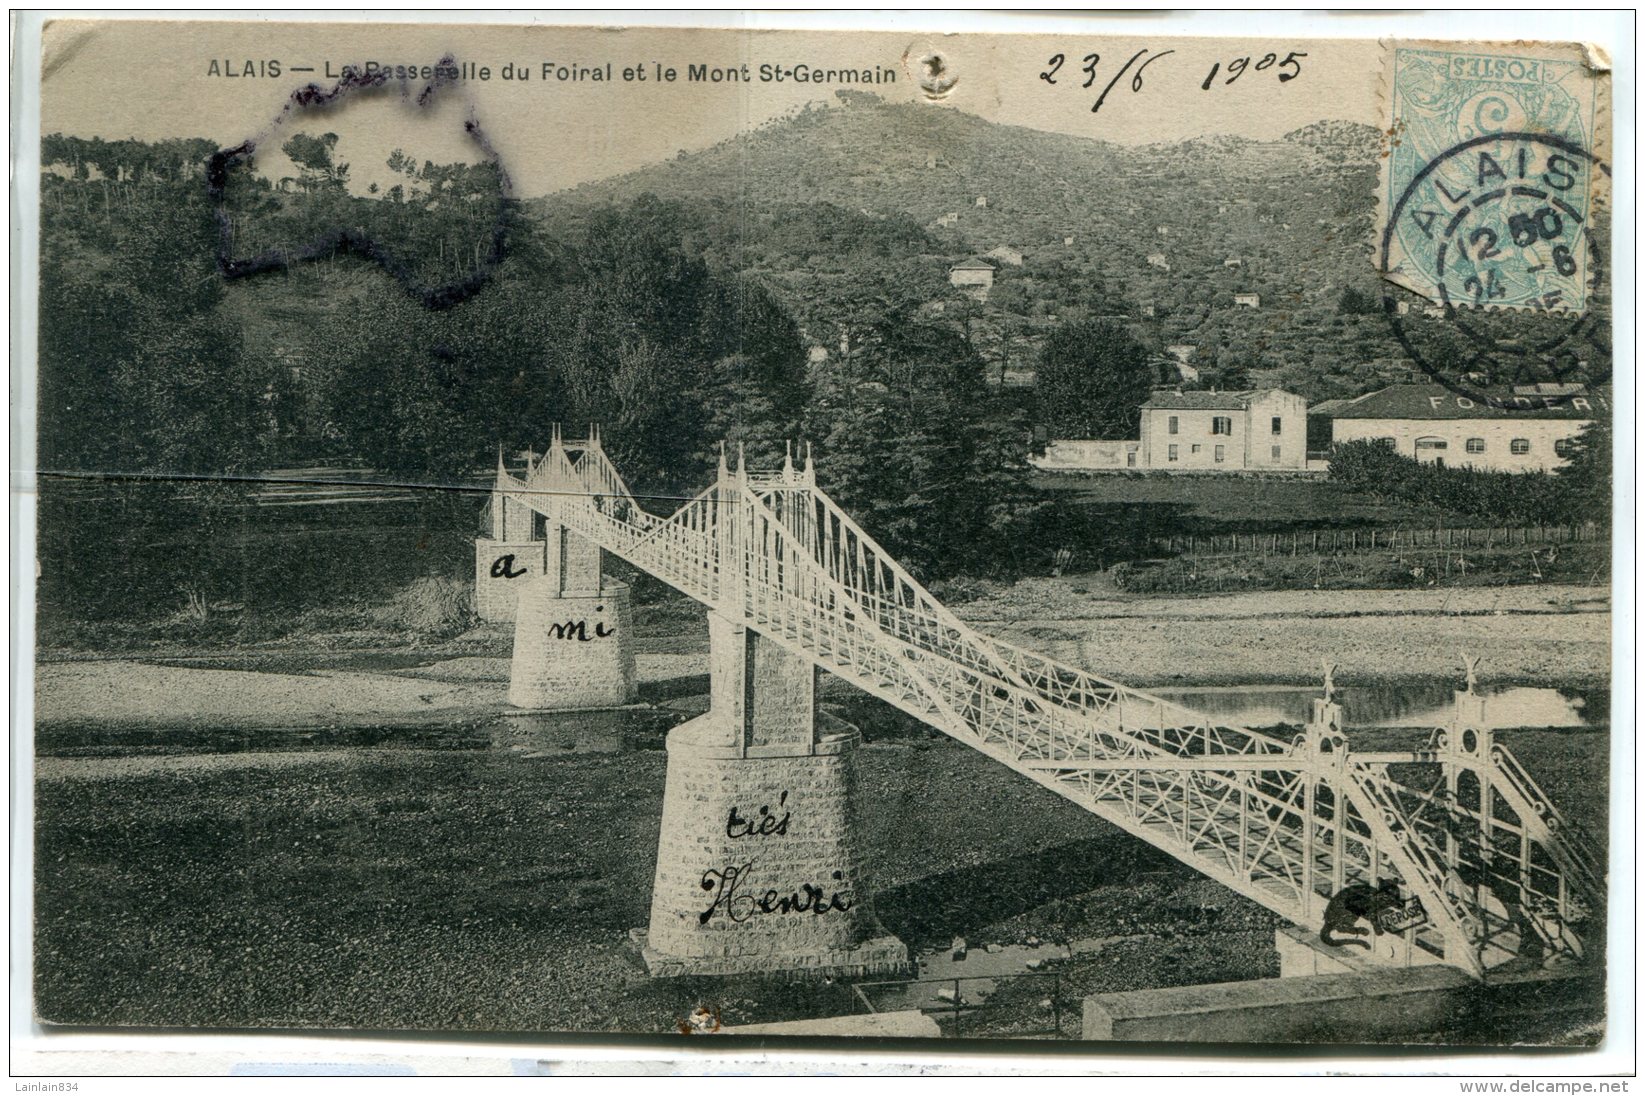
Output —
<point x="707" y="532"/>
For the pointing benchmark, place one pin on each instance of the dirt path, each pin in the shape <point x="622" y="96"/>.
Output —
<point x="130" y="692"/>
<point x="194" y="764"/>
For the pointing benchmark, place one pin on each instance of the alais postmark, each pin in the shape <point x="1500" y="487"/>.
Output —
<point x="1493" y="177"/>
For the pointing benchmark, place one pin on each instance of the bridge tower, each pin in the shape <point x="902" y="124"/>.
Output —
<point x="573" y="628"/>
<point x="758" y="864"/>
<point x="511" y="553"/>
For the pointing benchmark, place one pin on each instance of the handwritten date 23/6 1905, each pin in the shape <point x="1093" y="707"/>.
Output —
<point x="1286" y="70"/>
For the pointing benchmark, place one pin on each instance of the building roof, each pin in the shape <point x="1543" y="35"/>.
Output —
<point x="972" y="264"/>
<point x="1197" y="401"/>
<point x="1437" y="402"/>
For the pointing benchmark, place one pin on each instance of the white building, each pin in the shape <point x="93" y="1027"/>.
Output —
<point x="1261" y="430"/>
<point x="1524" y="429"/>
<point x="973" y="277"/>
<point x="1225" y="431"/>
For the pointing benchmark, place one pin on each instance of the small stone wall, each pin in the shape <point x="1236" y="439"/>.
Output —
<point x="1370" y="1007"/>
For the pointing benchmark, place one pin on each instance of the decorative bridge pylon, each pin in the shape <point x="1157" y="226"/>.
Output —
<point x="1446" y="854"/>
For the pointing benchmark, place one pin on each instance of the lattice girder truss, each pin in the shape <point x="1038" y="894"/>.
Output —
<point x="1459" y="825"/>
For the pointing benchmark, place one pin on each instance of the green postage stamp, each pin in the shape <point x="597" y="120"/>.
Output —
<point x="1494" y="175"/>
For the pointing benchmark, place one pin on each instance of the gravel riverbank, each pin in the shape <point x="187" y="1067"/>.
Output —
<point x="1523" y="634"/>
<point x="1555" y="635"/>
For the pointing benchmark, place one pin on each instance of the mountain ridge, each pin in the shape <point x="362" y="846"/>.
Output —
<point x="1166" y="234"/>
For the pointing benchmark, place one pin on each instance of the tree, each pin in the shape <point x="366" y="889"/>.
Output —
<point x="757" y="390"/>
<point x="635" y="346"/>
<point x="1232" y="370"/>
<point x="144" y="381"/>
<point x="917" y="449"/>
<point x="1585" y="479"/>
<point x="1092" y="380"/>
<point x="1355" y="303"/>
<point x="314" y="156"/>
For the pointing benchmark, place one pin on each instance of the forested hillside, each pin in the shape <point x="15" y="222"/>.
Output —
<point x="1163" y="234"/>
<point x="172" y="377"/>
<point x="1249" y="259"/>
<point x="789" y="283"/>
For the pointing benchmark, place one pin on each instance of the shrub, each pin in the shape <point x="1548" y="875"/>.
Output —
<point x="436" y="606"/>
<point x="1516" y="497"/>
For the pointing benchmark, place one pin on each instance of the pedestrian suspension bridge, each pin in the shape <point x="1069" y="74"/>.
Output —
<point x="1487" y="870"/>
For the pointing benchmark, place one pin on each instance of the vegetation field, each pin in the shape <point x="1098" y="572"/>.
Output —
<point x="438" y="882"/>
<point x="1403" y="569"/>
<point x="1225" y="504"/>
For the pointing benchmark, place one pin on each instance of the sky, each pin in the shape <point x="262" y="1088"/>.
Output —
<point x="152" y="80"/>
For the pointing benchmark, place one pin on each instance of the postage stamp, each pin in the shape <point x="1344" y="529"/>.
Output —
<point x="1493" y="175"/>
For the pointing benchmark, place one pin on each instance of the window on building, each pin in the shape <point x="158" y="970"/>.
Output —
<point x="1431" y="444"/>
<point x="1220" y="452"/>
<point x="1476" y="445"/>
<point x="1171" y="425"/>
<point x="1170" y="452"/>
<point x="1194" y="448"/>
<point x="1389" y="442"/>
<point x="1564" y="447"/>
<point x="1519" y="446"/>
<point x="1131" y="458"/>
<point x="1273" y="452"/>
<point x="1277" y="423"/>
<point x="1222" y="424"/>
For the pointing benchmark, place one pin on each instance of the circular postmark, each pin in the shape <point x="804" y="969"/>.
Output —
<point x="1500" y="228"/>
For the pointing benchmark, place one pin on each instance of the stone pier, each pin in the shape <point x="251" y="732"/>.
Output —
<point x="573" y="632"/>
<point x="758" y="866"/>
<point x="509" y="559"/>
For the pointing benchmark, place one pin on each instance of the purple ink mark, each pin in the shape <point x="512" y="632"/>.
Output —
<point x="355" y="241"/>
